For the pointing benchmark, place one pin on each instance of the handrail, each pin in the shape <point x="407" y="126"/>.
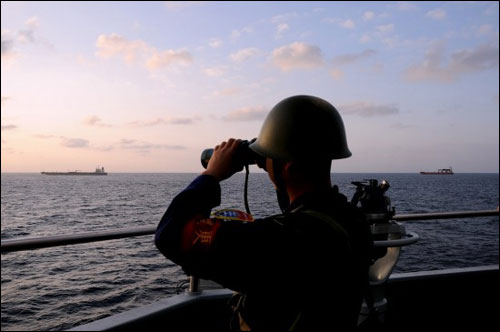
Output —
<point x="445" y="215"/>
<point x="409" y="238"/>
<point x="61" y="240"/>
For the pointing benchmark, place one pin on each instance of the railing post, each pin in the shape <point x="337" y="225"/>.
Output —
<point x="194" y="285"/>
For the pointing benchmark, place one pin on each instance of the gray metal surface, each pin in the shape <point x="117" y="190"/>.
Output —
<point x="413" y="294"/>
<point x="166" y="308"/>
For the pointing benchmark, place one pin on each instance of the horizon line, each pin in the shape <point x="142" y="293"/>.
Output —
<point x="260" y="172"/>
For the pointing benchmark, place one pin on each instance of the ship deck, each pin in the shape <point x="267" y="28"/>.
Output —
<point x="453" y="298"/>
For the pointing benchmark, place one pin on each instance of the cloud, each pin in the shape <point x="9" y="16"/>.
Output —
<point x="399" y="125"/>
<point x="365" y="38"/>
<point x="74" y="142"/>
<point x="280" y="29"/>
<point x="283" y="17"/>
<point x="7" y="42"/>
<point x="179" y="5"/>
<point x="164" y="121"/>
<point x="43" y="136"/>
<point x="297" y="55"/>
<point x="244" y="54"/>
<point x="347" y="24"/>
<point x="247" y="114"/>
<point x="485" y="29"/>
<point x="85" y="61"/>
<point x="436" y="14"/>
<point x="461" y="62"/>
<point x="215" y="71"/>
<point x="385" y="28"/>
<point x="4" y="100"/>
<point x="343" y="23"/>
<point x="215" y="43"/>
<point x="95" y="121"/>
<point x="28" y="34"/>
<point x="180" y="121"/>
<point x="492" y="9"/>
<point x="336" y="74"/>
<point x="235" y="34"/>
<point x="368" y="15"/>
<point x="167" y="58"/>
<point x="116" y="45"/>
<point x="8" y="127"/>
<point x="366" y="109"/>
<point x="384" y="33"/>
<point x="406" y="6"/>
<point x="150" y="123"/>
<point x="133" y="51"/>
<point x="226" y="92"/>
<point x="125" y="144"/>
<point x="8" y="47"/>
<point x="350" y="58"/>
<point x="347" y="59"/>
<point x="145" y="147"/>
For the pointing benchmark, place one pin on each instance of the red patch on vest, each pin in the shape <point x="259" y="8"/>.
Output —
<point x="198" y="234"/>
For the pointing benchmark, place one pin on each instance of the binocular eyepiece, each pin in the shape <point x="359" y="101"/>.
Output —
<point x="243" y="155"/>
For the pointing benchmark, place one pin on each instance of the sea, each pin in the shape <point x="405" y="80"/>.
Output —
<point x="63" y="287"/>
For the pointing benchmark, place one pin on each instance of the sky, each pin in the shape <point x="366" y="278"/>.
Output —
<point x="146" y="86"/>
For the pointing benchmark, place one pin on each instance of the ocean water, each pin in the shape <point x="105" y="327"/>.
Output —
<point x="58" y="288"/>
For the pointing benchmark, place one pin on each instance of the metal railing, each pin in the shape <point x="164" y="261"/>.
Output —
<point x="62" y="240"/>
<point x="445" y="215"/>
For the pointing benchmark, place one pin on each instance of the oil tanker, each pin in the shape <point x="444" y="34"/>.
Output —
<point x="98" y="171"/>
<point x="441" y="171"/>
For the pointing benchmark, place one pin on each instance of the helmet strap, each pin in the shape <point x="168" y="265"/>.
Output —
<point x="283" y="199"/>
<point x="281" y="193"/>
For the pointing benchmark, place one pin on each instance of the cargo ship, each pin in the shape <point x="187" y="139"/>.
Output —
<point x="98" y="171"/>
<point x="441" y="171"/>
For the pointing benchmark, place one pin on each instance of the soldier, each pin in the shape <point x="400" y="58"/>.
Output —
<point x="305" y="269"/>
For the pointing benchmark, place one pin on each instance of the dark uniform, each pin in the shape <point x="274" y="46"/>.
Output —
<point x="305" y="269"/>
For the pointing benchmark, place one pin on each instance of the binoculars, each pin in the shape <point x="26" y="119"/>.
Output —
<point x="243" y="155"/>
<point x="374" y="203"/>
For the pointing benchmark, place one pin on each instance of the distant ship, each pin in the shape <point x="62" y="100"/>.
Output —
<point x="441" y="171"/>
<point x="98" y="171"/>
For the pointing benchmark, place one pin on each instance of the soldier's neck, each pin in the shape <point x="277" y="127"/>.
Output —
<point x="297" y="190"/>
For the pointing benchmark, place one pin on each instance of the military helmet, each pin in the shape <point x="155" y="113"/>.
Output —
<point x="302" y="128"/>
